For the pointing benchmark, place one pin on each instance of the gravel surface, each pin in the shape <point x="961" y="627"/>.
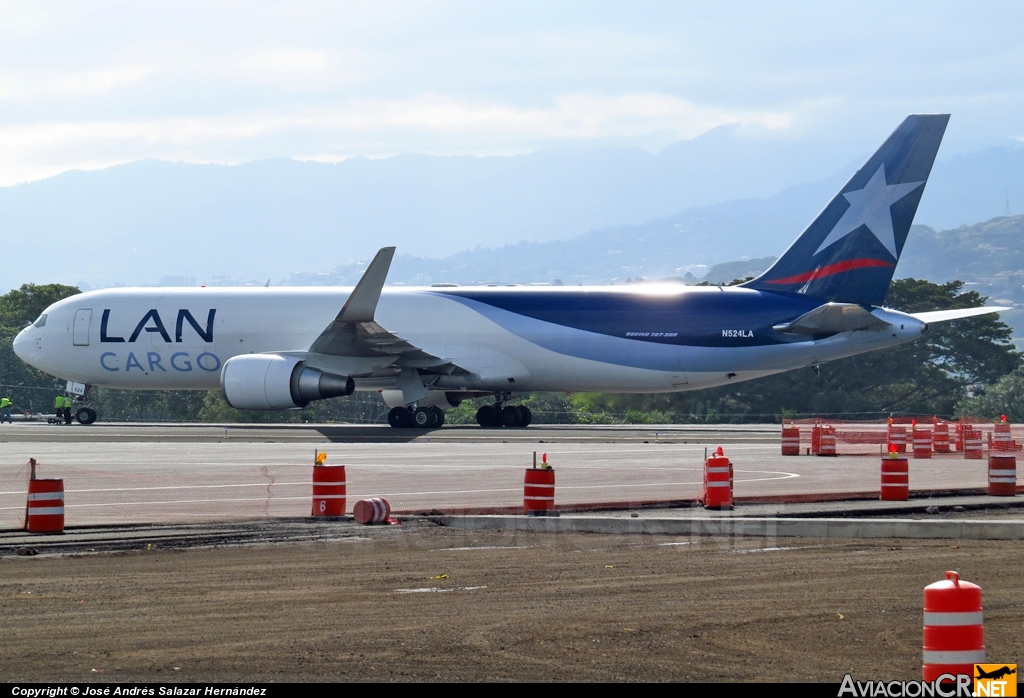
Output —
<point x="422" y="603"/>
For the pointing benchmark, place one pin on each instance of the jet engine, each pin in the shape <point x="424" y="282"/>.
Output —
<point x="272" y="382"/>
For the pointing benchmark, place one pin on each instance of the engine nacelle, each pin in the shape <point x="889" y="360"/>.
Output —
<point x="271" y="382"/>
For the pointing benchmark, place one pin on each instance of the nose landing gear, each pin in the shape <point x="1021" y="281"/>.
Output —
<point x="85" y="415"/>
<point x="83" y="411"/>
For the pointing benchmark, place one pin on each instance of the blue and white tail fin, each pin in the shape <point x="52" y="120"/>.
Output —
<point x="849" y="252"/>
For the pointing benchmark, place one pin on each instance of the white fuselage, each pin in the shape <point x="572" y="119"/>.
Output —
<point x="180" y="338"/>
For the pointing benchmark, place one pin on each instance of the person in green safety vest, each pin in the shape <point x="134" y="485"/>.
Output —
<point x="67" y="409"/>
<point x="58" y="408"/>
<point x="5" y="409"/>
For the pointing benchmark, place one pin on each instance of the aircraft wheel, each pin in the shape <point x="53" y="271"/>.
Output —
<point x="399" y="418"/>
<point x="527" y="416"/>
<point x="86" y="415"/>
<point x="440" y="417"/>
<point x="423" y="417"/>
<point x="487" y="416"/>
<point x="510" y="416"/>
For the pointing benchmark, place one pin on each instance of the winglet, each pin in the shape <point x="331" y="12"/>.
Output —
<point x="362" y="304"/>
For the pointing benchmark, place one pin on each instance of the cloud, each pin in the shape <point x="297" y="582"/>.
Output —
<point x="101" y="80"/>
<point x="285" y="61"/>
<point x="31" y="86"/>
<point x="356" y="127"/>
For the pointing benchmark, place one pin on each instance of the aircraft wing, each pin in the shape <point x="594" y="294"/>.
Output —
<point x="832" y="318"/>
<point x="354" y="339"/>
<point x="947" y="315"/>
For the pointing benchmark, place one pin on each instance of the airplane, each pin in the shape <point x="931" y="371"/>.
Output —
<point x="994" y="674"/>
<point x="427" y="349"/>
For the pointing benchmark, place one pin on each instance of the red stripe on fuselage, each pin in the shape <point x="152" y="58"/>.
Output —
<point x="831" y="269"/>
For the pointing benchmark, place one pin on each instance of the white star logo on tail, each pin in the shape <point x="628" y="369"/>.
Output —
<point x="870" y="206"/>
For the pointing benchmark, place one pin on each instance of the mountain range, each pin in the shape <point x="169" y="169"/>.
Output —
<point x="606" y="214"/>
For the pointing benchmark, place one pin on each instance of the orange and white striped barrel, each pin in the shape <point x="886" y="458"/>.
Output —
<point x="897" y="436"/>
<point x="329" y="490"/>
<point x="1002" y="474"/>
<point x="828" y="441"/>
<point x="972" y="443"/>
<point x="718" y="481"/>
<point x="940" y="437"/>
<point x="954" y="633"/>
<point x="895" y="480"/>
<point x="539" y="491"/>
<point x="371" y="511"/>
<point x="958" y="443"/>
<point x="791" y="441"/>
<point x="922" y="442"/>
<point x="816" y="440"/>
<point x="1002" y="441"/>
<point x="45" y="506"/>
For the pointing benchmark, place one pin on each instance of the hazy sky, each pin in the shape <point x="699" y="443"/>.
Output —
<point x="90" y="84"/>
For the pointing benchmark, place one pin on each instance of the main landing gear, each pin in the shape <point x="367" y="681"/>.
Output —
<point x="418" y="417"/>
<point x="500" y="415"/>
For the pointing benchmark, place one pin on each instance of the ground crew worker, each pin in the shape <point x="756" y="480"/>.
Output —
<point x="5" y="410"/>
<point x="67" y="409"/>
<point x="58" y="408"/>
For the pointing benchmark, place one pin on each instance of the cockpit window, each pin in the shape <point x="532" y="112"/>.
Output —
<point x="41" y="321"/>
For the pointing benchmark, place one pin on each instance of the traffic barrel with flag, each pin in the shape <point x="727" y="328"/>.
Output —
<point x="718" y="481"/>
<point x="329" y="488"/>
<point x="539" y="488"/>
<point x="897" y="436"/>
<point x="44" y="511"/>
<point x="1002" y="440"/>
<point x="895" y="477"/>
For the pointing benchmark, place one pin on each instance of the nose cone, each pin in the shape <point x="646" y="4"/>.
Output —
<point x="22" y="344"/>
<point x="28" y="346"/>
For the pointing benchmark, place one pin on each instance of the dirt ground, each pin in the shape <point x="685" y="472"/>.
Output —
<point x="423" y="603"/>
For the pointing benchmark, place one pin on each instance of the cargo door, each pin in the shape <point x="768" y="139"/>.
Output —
<point x="81" y="332"/>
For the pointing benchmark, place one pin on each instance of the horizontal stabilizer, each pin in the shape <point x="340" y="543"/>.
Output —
<point x="947" y="315"/>
<point x="832" y="318"/>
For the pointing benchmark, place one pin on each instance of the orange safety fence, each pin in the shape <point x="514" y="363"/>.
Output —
<point x="869" y="437"/>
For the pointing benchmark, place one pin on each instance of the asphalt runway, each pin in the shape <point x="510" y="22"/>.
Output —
<point x="118" y="474"/>
<point x="34" y="431"/>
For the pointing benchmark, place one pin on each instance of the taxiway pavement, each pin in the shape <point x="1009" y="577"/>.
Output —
<point x="119" y="474"/>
